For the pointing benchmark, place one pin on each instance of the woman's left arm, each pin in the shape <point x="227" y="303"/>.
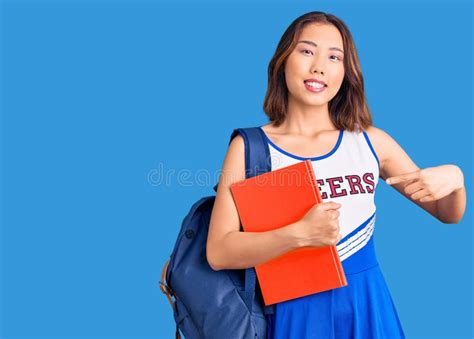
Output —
<point x="439" y="190"/>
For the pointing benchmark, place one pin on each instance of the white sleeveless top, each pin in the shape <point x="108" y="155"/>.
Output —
<point x="348" y="175"/>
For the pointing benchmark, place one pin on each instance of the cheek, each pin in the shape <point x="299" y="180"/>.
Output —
<point x="292" y="83"/>
<point x="341" y="77"/>
<point x="337" y="73"/>
<point x="337" y="78"/>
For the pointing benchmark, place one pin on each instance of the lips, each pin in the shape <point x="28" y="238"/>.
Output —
<point x="316" y="80"/>
<point x="314" y="89"/>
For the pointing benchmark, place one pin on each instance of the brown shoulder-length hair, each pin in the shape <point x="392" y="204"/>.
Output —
<point x="348" y="109"/>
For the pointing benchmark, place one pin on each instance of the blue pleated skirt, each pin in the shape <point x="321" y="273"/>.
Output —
<point x="363" y="309"/>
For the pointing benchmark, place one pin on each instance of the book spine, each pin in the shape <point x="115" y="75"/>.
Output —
<point x="338" y="265"/>
<point x="333" y="248"/>
<point x="312" y="178"/>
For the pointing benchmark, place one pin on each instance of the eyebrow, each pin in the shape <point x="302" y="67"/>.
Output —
<point x="316" y="45"/>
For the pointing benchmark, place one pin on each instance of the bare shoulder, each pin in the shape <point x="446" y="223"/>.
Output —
<point x="384" y="145"/>
<point x="393" y="158"/>
<point x="233" y="168"/>
<point x="270" y="130"/>
<point x="377" y="137"/>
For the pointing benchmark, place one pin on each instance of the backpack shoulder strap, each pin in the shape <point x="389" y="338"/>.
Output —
<point x="257" y="153"/>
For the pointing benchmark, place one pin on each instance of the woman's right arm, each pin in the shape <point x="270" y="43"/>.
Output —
<point x="227" y="247"/>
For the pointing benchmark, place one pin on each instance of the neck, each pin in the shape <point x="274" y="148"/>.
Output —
<point x="307" y="120"/>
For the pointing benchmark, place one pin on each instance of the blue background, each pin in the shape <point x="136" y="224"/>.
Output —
<point x="101" y="100"/>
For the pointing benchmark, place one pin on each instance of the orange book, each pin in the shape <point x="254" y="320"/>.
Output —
<point x="275" y="199"/>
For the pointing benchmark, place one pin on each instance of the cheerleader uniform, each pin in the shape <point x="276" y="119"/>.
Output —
<point x="363" y="309"/>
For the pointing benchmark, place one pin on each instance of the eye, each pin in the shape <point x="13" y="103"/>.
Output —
<point x="311" y="53"/>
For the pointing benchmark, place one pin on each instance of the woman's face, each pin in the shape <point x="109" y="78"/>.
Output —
<point x="321" y="58"/>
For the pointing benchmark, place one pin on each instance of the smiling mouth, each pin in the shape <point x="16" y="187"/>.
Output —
<point x="315" y="87"/>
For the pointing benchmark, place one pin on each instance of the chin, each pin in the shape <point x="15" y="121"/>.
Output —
<point x="317" y="100"/>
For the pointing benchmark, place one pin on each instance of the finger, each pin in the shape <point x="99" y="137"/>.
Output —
<point x="330" y="205"/>
<point x="420" y="194"/>
<point x="413" y="187"/>
<point x="403" y="177"/>
<point x="433" y="196"/>
<point x="427" y="198"/>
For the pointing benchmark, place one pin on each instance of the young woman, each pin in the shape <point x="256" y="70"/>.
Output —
<point x="317" y="109"/>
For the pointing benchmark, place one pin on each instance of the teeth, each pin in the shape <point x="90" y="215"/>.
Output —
<point x="315" y="84"/>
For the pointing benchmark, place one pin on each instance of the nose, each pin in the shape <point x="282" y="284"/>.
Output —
<point x="317" y="66"/>
<point x="317" y="70"/>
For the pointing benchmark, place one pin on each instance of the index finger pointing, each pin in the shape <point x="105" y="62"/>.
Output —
<point x="401" y="178"/>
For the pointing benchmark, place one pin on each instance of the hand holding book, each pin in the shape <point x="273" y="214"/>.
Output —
<point x="320" y="225"/>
